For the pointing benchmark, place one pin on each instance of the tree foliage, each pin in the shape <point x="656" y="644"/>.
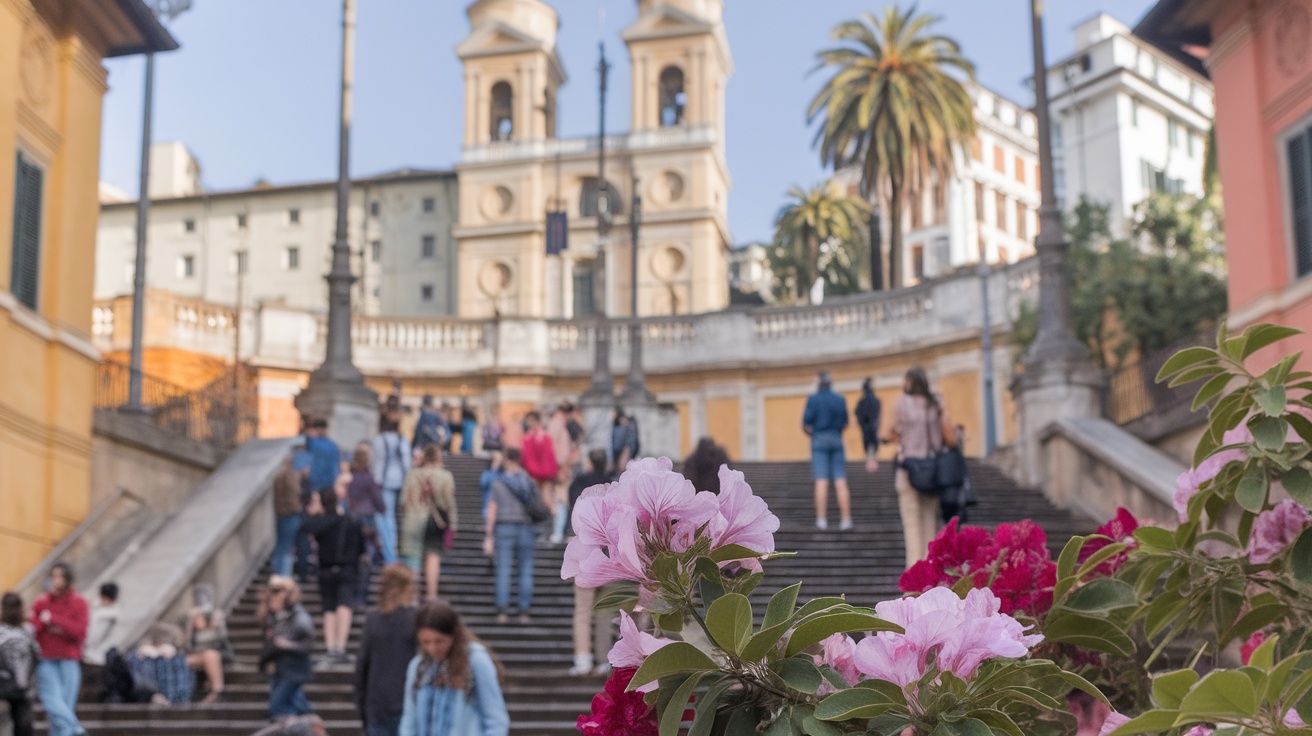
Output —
<point x="895" y="105"/>
<point x="821" y="232"/>
<point x="1146" y="292"/>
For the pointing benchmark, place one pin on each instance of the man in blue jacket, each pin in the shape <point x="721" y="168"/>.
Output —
<point x="824" y="420"/>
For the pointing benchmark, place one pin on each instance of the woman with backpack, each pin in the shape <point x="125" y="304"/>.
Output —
<point x="19" y="656"/>
<point x="391" y="461"/>
<point x="453" y="686"/>
<point x="510" y="533"/>
<point x="428" y="503"/>
<point x="921" y="428"/>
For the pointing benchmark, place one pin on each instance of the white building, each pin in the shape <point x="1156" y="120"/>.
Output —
<point x="1128" y="120"/>
<point x="277" y="240"/>
<point x="989" y="207"/>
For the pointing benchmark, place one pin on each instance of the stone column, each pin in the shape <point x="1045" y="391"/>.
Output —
<point x="336" y="391"/>
<point x="1059" y="379"/>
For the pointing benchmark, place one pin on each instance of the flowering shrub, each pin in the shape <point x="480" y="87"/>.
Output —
<point x="936" y="664"/>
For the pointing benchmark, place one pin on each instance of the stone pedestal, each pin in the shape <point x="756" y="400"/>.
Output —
<point x="598" y="413"/>
<point x="1049" y="390"/>
<point x="350" y="408"/>
<point x="658" y="429"/>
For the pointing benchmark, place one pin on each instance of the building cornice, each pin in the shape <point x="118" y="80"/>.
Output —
<point x="269" y="191"/>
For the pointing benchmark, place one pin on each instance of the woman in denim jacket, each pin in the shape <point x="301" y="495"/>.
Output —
<point x="453" y="687"/>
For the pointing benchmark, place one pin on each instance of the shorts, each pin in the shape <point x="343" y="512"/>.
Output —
<point x="337" y="588"/>
<point x="828" y="463"/>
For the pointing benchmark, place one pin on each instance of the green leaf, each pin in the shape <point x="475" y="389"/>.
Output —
<point x="1070" y="554"/>
<point x="1193" y="374"/>
<point x="672" y="716"/>
<point x="1257" y="618"/>
<point x="782" y="606"/>
<point x="1154" y="721"/>
<point x="857" y="702"/>
<point x="1089" y="632"/>
<point x="1155" y="538"/>
<point x="1234" y="347"/>
<point x="997" y="720"/>
<point x="670" y="621"/>
<point x="1259" y="336"/>
<point x="1162" y="611"/>
<point x="963" y="727"/>
<point x="1298" y="481"/>
<point x="729" y="621"/>
<point x="1169" y="689"/>
<point x="1212" y="389"/>
<point x="706" y="709"/>
<point x="1300" y="557"/>
<point x="1271" y="401"/>
<point x="710" y="583"/>
<point x="818" y="629"/>
<point x="1264" y="656"/>
<point x="812" y="726"/>
<point x="1186" y="358"/>
<point x="614" y="599"/>
<point x="1081" y="684"/>
<point x="800" y="673"/>
<point x="1269" y="432"/>
<point x="763" y="641"/>
<point x="1252" y="490"/>
<point x="1101" y="596"/>
<point x="1222" y="694"/>
<point x="677" y="658"/>
<point x="783" y="725"/>
<point x="734" y="552"/>
<point x="815" y="605"/>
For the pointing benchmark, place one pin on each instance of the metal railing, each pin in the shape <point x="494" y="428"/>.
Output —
<point x="224" y="413"/>
<point x="1133" y="391"/>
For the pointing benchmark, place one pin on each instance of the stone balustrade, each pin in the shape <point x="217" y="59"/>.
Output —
<point x="879" y="323"/>
<point x="547" y="148"/>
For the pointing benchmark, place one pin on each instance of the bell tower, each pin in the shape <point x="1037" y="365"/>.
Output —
<point x="681" y="62"/>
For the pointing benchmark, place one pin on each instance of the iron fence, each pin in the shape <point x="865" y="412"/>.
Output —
<point x="1133" y="391"/>
<point x="225" y="412"/>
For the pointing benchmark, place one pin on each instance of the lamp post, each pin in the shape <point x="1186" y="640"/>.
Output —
<point x="603" y="387"/>
<point x="1056" y="340"/>
<point x="635" y="388"/>
<point x="336" y="390"/>
<point x="165" y="10"/>
<point x="986" y="348"/>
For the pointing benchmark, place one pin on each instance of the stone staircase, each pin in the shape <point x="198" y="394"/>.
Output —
<point x="542" y="699"/>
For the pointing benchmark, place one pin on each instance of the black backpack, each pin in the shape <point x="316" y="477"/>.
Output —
<point x="9" y="689"/>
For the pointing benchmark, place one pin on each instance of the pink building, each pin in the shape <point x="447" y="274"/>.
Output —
<point x="1259" y="56"/>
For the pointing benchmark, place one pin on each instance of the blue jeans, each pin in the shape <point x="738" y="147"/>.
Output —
<point x="287" y="526"/>
<point x="286" y="697"/>
<point x="387" y="525"/>
<point x="58" y="682"/>
<point x="383" y="726"/>
<point x="514" y="542"/>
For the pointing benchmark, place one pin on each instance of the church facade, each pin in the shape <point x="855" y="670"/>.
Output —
<point x="514" y="170"/>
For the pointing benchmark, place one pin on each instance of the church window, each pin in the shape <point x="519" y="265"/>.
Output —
<point x="588" y="203"/>
<point x="426" y="292"/>
<point x="503" y="127"/>
<point x="428" y="246"/>
<point x="673" y="97"/>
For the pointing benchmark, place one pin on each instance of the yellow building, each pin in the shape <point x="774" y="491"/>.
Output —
<point x="514" y="169"/>
<point x="51" y="87"/>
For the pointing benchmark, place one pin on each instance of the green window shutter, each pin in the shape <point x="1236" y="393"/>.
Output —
<point x="1300" y="191"/>
<point x="25" y="271"/>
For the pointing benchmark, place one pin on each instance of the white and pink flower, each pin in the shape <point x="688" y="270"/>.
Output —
<point x="1275" y="529"/>
<point x="634" y="647"/>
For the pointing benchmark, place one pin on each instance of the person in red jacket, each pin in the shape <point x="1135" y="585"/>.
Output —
<point x="59" y="617"/>
<point x="540" y="457"/>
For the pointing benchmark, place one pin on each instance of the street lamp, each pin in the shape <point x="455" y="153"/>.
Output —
<point x="635" y="388"/>
<point x="166" y="11"/>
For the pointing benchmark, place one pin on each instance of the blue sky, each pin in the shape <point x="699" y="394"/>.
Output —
<point x="253" y="90"/>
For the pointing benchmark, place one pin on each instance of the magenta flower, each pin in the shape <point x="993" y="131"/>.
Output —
<point x="634" y="647"/>
<point x="1275" y="529"/>
<point x="1200" y="731"/>
<point x="1113" y="722"/>
<point x="837" y="652"/>
<point x="743" y="518"/>
<point x="960" y="634"/>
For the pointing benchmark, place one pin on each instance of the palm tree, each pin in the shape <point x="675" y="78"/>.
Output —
<point x="824" y="213"/>
<point x="896" y="106"/>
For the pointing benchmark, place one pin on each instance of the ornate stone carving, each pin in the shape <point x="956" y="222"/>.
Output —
<point x="667" y="188"/>
<point x="1293" y="34"/>
<point x="36" y="64"/>
<point x="496" y="203"/>
<point x="494" y="278"/>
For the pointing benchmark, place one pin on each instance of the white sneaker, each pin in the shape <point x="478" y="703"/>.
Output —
<point x="582" y="665"/>
<point x="556" y="539"/>
<point x="845" y="525"/>
<point x="821" y="524"/>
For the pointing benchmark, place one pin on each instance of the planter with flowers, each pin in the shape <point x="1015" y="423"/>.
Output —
<point x="994" y="637"/>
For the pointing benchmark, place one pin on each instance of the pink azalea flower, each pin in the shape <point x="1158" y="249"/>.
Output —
<point x="893" y="658"/>
<point x="1200" y="731"/>
<point x="1190" y="481"/>
<point x="1113" y="722"/>
<point x="634" y="647"/>
<point x="838" y="652"/>
<point x="1275" y="529"/>
<point x="1118" y="529"/>
<point x="742" y="518"/>
<point x="1293" y="720"/>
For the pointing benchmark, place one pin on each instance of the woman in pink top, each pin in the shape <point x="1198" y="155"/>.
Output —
<point x="920" y="428"/>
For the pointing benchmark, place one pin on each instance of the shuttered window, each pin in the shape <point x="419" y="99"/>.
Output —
<point x="25" y="271"/>
<point x="1300" y="194"/>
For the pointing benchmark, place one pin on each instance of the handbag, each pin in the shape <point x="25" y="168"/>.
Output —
<point x="439" y="522"/>
<point x="940" y="471"/>
<point x="534" y="506"/>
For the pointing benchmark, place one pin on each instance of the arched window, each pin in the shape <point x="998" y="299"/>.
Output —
<point x="673" y="98"/>
<point x="588" y="202"/>
<point x="549" y="113"/>
<point x="503" y="98"/>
